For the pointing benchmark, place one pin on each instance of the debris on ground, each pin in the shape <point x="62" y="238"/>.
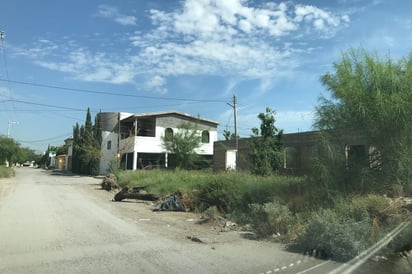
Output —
<point x="171" y="203"/>
<point x="248" y="235"/>
<point x="223" y="224"/>
<point x="195" y="239"/>
<point x="109" y="182"/>
<point x="228" y="226"/>
<point x="134" y="194"/>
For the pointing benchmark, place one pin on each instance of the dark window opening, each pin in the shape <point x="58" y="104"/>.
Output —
<point x="357" y="156"/>
<point x="140" y="127"/>
<point x="127" y="129"/>
<point x="146" y="127"/>
<point x="205" y="137"/>
<point x="291" y="157"/>
<point x="127" y="161"/>
<point x="168" y="133"/>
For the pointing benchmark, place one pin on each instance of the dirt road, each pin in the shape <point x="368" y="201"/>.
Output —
<point x="62" y="224"/>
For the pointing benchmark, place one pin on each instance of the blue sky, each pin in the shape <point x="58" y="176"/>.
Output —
<point x="189" y="55"/>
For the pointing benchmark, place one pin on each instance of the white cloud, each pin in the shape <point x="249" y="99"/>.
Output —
<point x="157" y="84"/>
<point x="113" y="13"/>
<point x="94" y="67"/>
<point x="4" y="93"/>
<point x="201" y="37"/>
<point x="229" y="37"/>
<point x="39" y="49"/>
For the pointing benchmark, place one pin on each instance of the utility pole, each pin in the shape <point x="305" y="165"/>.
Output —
<point x="233" y="105"/>
<point x="118" y="141"/>
<point x="8" y="127"/>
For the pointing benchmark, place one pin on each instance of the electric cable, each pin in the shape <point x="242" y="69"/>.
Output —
<point x="40" y="104"/>
<point x="114" y="93"/>
<point x="44" y="140"/>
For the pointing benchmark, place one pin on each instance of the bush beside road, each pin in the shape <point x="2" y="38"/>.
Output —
<point x="6" y="172"/>
<point x="291" y="210"/>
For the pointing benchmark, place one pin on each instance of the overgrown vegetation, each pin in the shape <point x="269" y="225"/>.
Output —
<point x="182" y="146"/>
<point x="348" y="203"/>
<point x="288" y="209"/>
<point x="333" y="236"/>
<point x="266" y="145"/>
<point x="6" y="172"/>
<point x="227" y="191"/>
<point x="371" y="97"/>
<point x="87" y="140"/>
<point x="11" y="151"/>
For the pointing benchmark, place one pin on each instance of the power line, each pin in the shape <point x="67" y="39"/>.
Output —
<point x="35" y="110"/>
<point x="43" y="105"/>
<point x="45" y="140"/>
<point x="114" y="93"/>
<point x="64" y="108"/>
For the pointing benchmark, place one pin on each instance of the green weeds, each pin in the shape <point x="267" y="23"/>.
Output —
<point x="6" y="172"/>
<point x="288" y="209"/>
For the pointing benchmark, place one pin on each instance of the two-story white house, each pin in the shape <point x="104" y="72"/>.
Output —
<point x="135" y="140"/>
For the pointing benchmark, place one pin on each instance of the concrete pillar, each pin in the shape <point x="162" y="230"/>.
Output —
<point x="134" y="160"/>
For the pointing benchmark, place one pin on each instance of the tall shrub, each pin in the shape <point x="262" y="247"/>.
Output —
<point x="182" y="145"/>
<point x="372" y="96"/>
<point x="87" y="146"/>
<point x="266" y="145"/>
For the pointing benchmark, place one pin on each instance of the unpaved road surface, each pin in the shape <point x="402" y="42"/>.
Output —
<point x="66" y="224"/>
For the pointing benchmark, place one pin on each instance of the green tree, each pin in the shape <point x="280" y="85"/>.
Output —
<point x="266" y="145"/>
<point x="87" y="140"/>
<point x="228" y="135"/>
<point x="76" y="149"/>
<point x="182" y="145"/>
<point x="12" y="151"/>
<point x="95" y="147"/>
<point x="371" y="96"/>
<point x="9" y="149"/>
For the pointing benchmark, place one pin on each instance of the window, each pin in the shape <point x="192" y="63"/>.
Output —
<point x="205" y="137"/>
<point x="290" y="157"/>
<point x="168" y="133"/>
<point x="146" y="127"/>
<point x="109" y="145"/>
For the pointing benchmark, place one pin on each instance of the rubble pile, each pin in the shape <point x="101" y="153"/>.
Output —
<point x="171" y="203"/>
<point x="109" y="182"/>
<point x="136" y="193"/>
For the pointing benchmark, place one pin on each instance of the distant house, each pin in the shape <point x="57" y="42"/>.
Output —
<point x="135" y="140"/>
<point x="298" y="153"/>
<point x="69" y="155"/>
<point x="60" y="162"/>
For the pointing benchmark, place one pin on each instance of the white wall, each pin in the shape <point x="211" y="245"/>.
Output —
<point x="143" y="145"/>
<point x="154" y="144"/>
<point x="108" y="155"/>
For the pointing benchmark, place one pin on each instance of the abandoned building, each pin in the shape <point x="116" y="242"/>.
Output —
<point x="135" y="140"/>
<point x="298" y="152"/>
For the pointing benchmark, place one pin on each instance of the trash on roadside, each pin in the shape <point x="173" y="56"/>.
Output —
<point x="109" y="182"/>
<point x="195" y="239"/>
<point x="228" y="226"/>
<point x="126" y="194"/>
<point x="171" y="203"/>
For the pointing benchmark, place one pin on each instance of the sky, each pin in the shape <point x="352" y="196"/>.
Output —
<point x="59" y="58"/>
